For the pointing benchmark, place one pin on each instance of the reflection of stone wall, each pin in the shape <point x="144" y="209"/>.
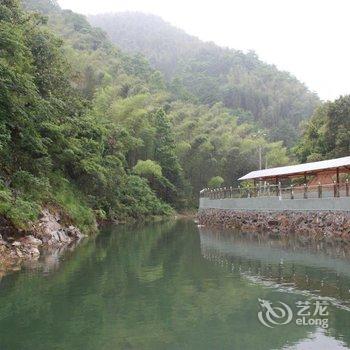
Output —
<point x="314" y="268"/>
<point x="285" y="277"/>
<point x="317" y="225"/>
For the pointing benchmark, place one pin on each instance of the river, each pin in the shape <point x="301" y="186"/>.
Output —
<point x="173" y="285"/>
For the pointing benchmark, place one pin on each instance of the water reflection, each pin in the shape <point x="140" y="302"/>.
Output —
<point x="289" y="265"/>
<point x="286" y="263"/>
<point x="170" y="286"/>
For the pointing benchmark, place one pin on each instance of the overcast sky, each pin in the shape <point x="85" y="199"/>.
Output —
<point x="309" y="38"/>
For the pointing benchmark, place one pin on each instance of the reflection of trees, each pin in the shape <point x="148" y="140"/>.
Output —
<point x="137" y="288"/>
<point x="287" y="264"/>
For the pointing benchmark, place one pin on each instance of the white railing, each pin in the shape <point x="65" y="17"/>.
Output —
<point x="290" y="192"/>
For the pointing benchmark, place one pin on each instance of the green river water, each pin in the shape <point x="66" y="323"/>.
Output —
<point x="174" y="285"/>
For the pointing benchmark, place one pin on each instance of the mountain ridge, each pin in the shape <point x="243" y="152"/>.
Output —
<point x="207" y="73"/>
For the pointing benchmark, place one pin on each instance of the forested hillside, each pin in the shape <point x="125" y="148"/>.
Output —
<point x="101" y="134"/>
<point x="205" y="73"/>
<point x="57" y="147"/>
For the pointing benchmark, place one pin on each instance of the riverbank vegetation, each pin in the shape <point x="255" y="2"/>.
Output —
<point x="106" y="134"/>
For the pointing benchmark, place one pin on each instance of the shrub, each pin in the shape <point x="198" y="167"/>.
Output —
<point x="215" y="181"/>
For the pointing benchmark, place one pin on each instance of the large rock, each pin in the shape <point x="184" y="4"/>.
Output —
<point x="74" y="232"/>
<point x="30" y="241"/>
<point x="52" y="233"/>
<point x="48" y="231"/>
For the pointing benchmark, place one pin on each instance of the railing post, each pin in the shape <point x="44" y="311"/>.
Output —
<point x="230" y="191"/>
<point x="347" y="188"/>
<point x="305" y="191"/>
<point x="279" y="190"/>
<point x="291" y="192"/>
<point x="268" y="189"/>
<point x="319" y="188"/>
<point x="336" y="189"/>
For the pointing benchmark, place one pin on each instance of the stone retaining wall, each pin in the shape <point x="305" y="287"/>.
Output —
<point x="277" y="204"/>
<point x="323" y="225"/>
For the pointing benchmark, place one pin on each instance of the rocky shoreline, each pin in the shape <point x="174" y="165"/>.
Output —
<point x="321" y="226"/>
<point x="17" y="247"/>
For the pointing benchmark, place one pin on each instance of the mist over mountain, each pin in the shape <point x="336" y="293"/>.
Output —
<point x="203" y="72"/>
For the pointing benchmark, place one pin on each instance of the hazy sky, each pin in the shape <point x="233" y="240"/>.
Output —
<point x="309" y="38"/>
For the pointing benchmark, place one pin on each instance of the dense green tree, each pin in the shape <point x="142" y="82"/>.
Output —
<point x="337" y="135"/>
<point x="215" y="182"/>
<point x="164" y="152"/>
<point x="165" y="155"/>
<point x="152" y="171"/>
<point x="148" y="167"/>
<point x="327" y="133"/>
